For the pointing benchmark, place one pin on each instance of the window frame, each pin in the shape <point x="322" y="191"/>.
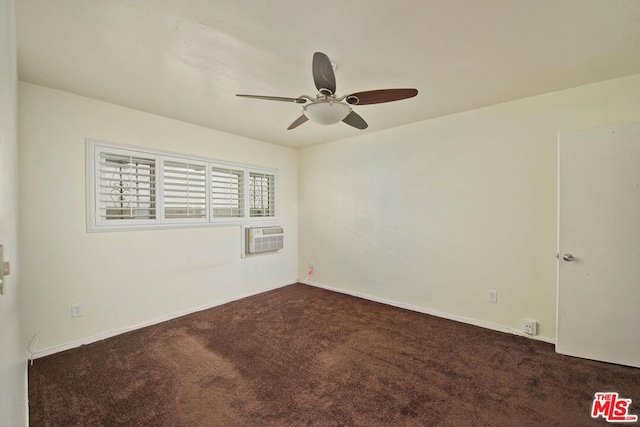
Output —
<point x="271" y="202"/>
<point x="95" y="187"/>
<point x="95" y="223"/>
<point x="229" y="219"/>
<point x="162" y="191"/>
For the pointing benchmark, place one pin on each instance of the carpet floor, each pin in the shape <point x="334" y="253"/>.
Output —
<point x="303" y="356"/>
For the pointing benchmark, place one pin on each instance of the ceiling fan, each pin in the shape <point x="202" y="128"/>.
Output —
<point x="326" y="108"/>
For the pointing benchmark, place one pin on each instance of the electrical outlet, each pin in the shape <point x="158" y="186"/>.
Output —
<point x="529" y="327"/>
<point x="311" y="266"/>
<point x="492" y="296"/>
<point x="76" y="310"/>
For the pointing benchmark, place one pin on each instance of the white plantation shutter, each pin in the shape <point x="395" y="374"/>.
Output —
<point x="262" y="195"/>
<point x="132" y="188"/>
<point x="126" y="187"/>
<point x="227" y="192"/>
<point x="184" y="189"/>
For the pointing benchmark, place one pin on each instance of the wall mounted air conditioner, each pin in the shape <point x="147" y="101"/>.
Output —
<point x="264" y="239"/>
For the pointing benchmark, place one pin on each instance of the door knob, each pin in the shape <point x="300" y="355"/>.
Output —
<point x="567" y="257"/>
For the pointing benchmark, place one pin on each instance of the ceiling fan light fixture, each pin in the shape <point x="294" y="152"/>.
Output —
<point x="326" y="112"/>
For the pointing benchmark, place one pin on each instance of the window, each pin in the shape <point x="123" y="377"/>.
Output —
<point x="227" y="192"/>
<point x="262" y="202"/>
<point x="126" y="187"/>
<point x="184" y="190"/>
<point x="137" y="188"/>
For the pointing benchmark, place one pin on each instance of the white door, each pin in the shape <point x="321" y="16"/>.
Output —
<point x="599" y="244"/>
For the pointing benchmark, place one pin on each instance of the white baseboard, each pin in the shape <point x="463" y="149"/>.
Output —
<point x="432" y="312"/>
<point x="419" y="309"/>
<point x="102" y="336"/>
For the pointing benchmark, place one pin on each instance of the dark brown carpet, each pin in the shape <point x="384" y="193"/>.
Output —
<point x="306" y="356"/>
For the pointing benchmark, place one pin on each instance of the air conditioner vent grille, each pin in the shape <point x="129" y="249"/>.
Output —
<point x="264" y="239"/>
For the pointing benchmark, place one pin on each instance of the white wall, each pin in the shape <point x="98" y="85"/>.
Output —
<point x="13" y="366"/>
<point x="124" y="279"/>
<point x="432" y="215"/>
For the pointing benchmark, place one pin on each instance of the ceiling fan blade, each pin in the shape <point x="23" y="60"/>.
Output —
<point x="300" y="120"/>
<point x="353" y="119"/>
<point x="323" y="75"/>
<point x="379" y="96"/>
<point x="274" y="98"/>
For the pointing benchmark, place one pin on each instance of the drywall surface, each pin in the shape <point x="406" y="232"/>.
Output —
<point x="13" y="390"/>
<point x="433" y="215"/>
<point x="129" y="278"/>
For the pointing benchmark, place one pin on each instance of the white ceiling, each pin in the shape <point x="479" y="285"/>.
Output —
<point x="187" y="59"/>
